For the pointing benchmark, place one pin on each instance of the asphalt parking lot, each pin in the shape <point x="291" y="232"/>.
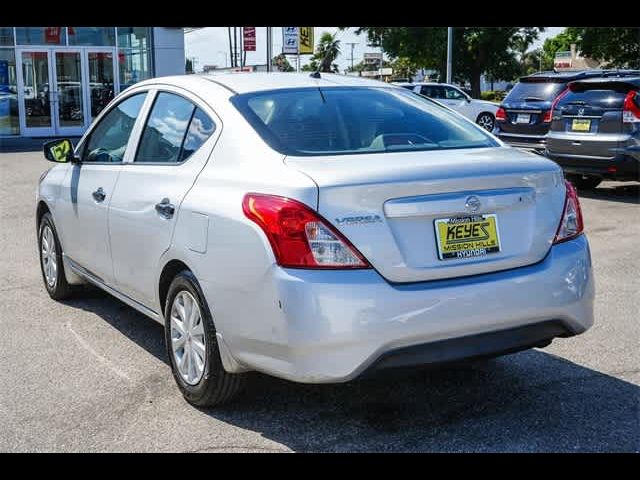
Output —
<point x="91" y="374"/>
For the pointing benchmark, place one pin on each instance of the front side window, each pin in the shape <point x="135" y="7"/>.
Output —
<point x="108" y="140"/>
<point x="348" y="120"/>
<point x="175" y="129"/>
<point x="453" y="94"/>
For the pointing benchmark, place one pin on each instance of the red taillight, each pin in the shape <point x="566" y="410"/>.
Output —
<point x="571" y="223"/>
<point x="548" y="116"/>
<point x="631" y="107"/>
<point x="300" y="237"/>
<point x="501" y="114"/>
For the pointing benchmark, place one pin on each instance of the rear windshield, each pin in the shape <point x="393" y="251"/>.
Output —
<point x="601" y="98"/>
<point x="348" y="120"/>
<point x="534" y="91"/>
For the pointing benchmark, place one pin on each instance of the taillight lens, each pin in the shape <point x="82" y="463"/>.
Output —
<point x="548" y="116"/>
<point x="631" y="107"/>
<point x="300" y="237"/>
<point x="571" y="224"/>
<point x="501" y="114"/>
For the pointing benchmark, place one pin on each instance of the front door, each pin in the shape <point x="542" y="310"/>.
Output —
<point x="61" y="90"/>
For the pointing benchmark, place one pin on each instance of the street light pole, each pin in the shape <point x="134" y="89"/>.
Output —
<point x="449" y="53"/>
<point x="352" y="44"/>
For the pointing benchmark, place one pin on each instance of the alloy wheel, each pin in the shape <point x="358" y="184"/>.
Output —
<point x="188" y="342"/>
<point x="48" y="256"/>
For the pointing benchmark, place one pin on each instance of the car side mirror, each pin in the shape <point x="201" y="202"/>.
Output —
<point x="468" y="98"/>
<point x="59" y="151"/>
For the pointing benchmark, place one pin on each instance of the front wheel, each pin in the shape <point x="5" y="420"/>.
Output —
<point x="192" y="346"/>
<point x="486" y="121"/>
<point x="584" y="182"/>
<point x="51" y="260"/>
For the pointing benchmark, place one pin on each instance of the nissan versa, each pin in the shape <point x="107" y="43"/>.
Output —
<point x="312" y="229"/>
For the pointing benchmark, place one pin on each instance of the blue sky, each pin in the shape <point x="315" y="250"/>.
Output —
<point x="210" y="46"/>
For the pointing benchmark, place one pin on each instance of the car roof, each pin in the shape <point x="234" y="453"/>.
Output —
<point x="575" y="75"/>
<point x="633" y="81"/>
<point x="245" y="82"/>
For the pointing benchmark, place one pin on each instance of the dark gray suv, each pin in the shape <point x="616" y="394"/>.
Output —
<point x="595" y="130"/>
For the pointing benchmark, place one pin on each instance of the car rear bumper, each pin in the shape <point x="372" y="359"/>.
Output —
<point x="529" y="142"/>
<point x="331" y="326"/>
<point x="619" y="167"/>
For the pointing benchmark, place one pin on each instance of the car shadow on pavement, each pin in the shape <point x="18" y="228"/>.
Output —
<point x="625" y="193"/>
<point x="139" y="328"/>
<point x="531" y="401"/>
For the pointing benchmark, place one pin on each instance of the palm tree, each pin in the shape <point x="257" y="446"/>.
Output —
<point x="327" y="50"/>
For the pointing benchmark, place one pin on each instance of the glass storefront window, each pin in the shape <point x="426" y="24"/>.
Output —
<point x="135" y="66"/>
<point x="133" y="37"/>
<point x="92" y="36"/>
<point x="9" y="122"/>
<point x="41" y="35"/>
<point x="6" y="36"/>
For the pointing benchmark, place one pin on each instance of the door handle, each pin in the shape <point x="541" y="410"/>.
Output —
<point x="165" y="208"/>
<point x="99" y="195"/>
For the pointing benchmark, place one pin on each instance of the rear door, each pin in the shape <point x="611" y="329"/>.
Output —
<point x="173" y="147"/>
<point x="588" y="121"/>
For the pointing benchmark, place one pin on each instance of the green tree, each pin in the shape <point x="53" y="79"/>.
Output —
<point x="618" y="47"/>
<point x="327" y="51"/>
<point x="404" y="67"/>
<point x="560" y="43"/>
<point x="281" y="63"/>
<point x="477" y="50"/>
<point x="188" y="66"/>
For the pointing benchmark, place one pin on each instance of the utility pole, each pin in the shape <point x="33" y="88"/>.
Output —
<point x="449" y="53"/>
<point x="230" y="47"/>
<point x="352" y="44"/>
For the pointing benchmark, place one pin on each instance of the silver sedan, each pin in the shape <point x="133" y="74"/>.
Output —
<point x="312" y="228"/>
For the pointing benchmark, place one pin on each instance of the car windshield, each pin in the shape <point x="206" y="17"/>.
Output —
<point x="349" y="120"/>
<point x="535" y="91"/>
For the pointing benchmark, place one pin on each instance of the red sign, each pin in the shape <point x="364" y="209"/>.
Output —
<point x="52" y="35"/>
<point x="249" y="39"/>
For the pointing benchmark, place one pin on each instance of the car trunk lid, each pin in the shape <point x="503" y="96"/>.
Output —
<point x="387" y="205"/>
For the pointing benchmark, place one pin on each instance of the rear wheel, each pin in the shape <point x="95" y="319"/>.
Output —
<point x="584" y="182"/>
<point x="51" y="260"/>
<point x="486" y="121"/>
<point x="192" y="346"/>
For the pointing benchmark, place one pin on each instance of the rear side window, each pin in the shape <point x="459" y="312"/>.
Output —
<point x="175" y="129"/>
<point x="534" y="91"/>
<point x="347" y="120"/>
<point x="432" y="91"/>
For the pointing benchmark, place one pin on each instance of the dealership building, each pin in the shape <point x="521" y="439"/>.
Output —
<point x="55" y="80"/>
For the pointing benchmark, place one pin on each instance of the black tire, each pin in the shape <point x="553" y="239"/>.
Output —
<point x="216" y="386"/>
<point x="59" y="289"/>
<point x="584" y="182"/>
<point x="487" y="121"/>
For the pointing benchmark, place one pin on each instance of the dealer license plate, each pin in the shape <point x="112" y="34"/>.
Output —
<point x="467" y="237"/>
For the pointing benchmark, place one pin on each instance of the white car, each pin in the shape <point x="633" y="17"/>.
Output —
<point x="479" y="111"/>
<point x="312" y="229"/>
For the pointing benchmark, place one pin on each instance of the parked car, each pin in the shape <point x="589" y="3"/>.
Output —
<point x="479" y="111"/>
<point x="524" y="116"/>
<point x="595" y="130"/>
<point x="313" y="229"/>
